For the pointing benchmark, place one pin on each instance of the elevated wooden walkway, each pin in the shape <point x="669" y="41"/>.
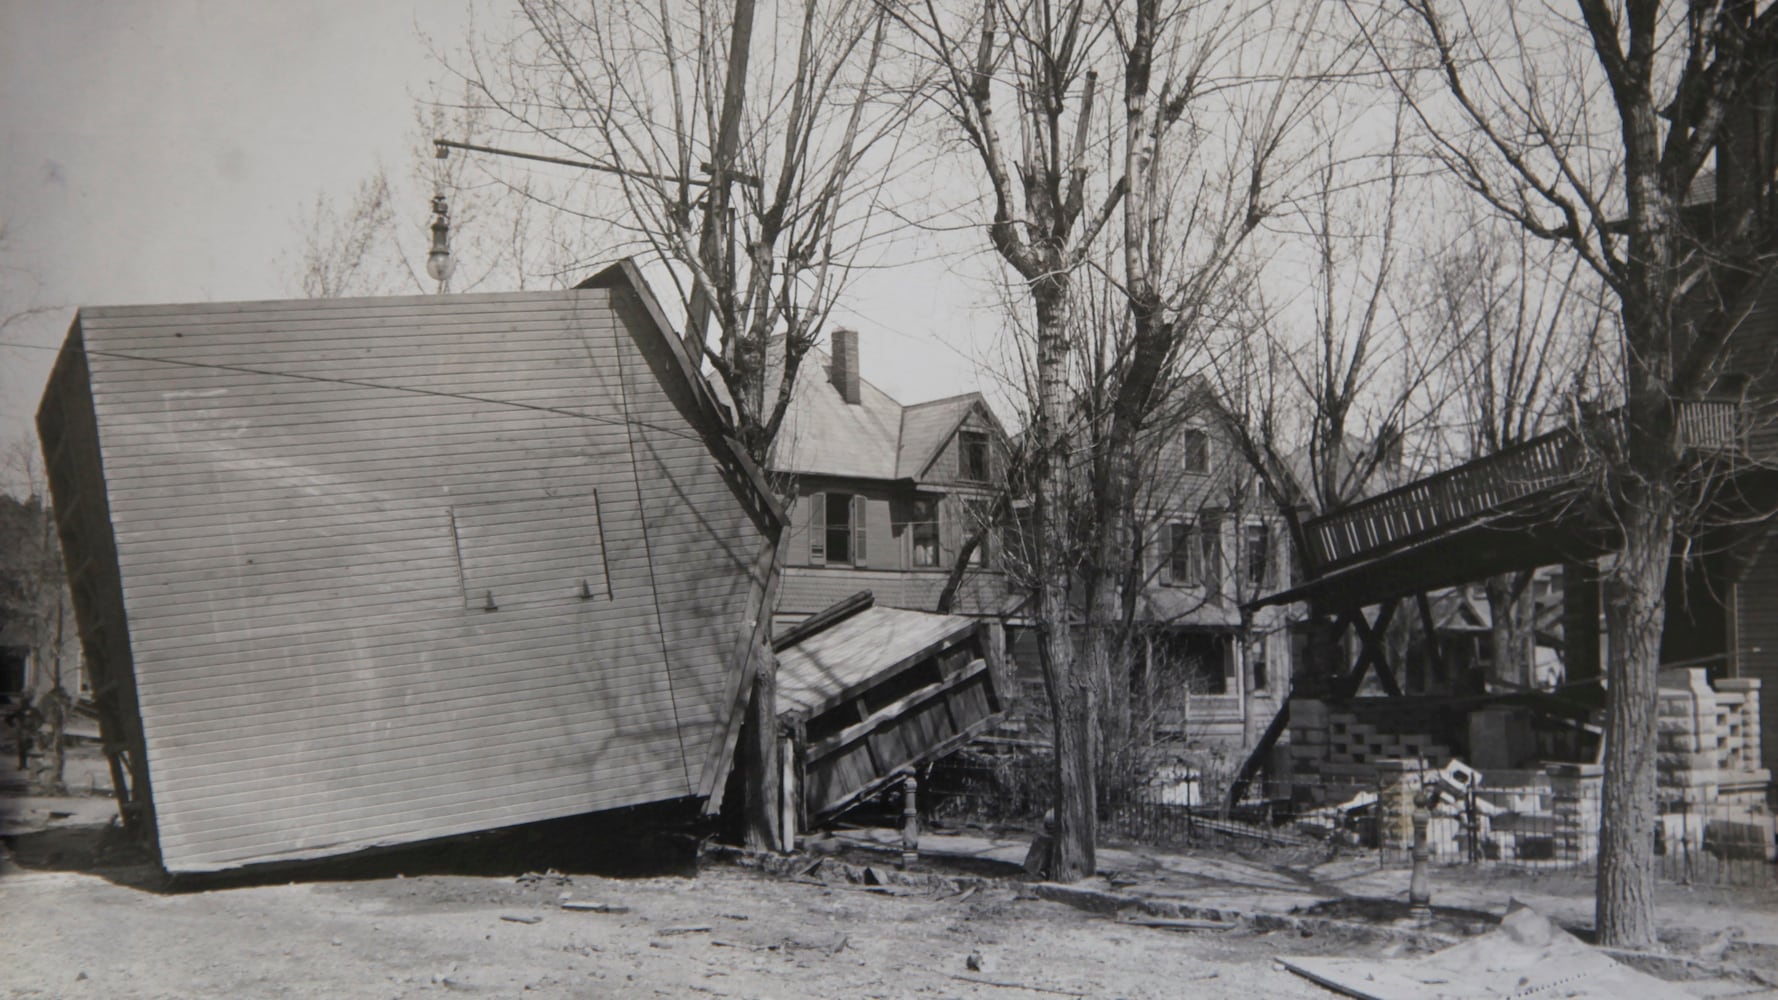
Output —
<point x="1518" y="507"/>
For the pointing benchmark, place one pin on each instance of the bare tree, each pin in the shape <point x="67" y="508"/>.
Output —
<point x="1323" y="394"/>
<point x="1210" y="93"/>
<point x="1522" y="327"/>
<point x="34" y="604"/>
<point x="1214" y="96"/>
<point x="759" y="181"/>
<point x="1047" y="210"/>
<point x="1587" y="127"/>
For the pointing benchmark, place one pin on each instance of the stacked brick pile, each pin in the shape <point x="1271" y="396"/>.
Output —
<point x="1334" y="752"/>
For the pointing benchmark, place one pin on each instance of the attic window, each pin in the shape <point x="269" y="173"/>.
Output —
<point x="972" y="456"/>
<point x="530" y="551"/>
<point x="1196" y="457"/>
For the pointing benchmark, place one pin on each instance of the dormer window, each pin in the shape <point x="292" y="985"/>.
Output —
<point x="972" y="456"/>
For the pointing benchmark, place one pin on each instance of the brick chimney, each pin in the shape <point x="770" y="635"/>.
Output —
<point x="844" y="372"/>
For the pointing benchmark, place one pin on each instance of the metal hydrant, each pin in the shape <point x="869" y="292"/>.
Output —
<point x="1419" y="891"/>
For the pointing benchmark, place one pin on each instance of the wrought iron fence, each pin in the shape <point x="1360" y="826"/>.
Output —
<point x="1539" y="822"/>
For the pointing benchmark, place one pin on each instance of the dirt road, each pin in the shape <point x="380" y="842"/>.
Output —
<point x="724" y="933"/>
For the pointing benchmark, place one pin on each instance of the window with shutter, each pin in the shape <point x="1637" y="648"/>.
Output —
<point x="839" y="528"/>
<point x="923" y="524"/>
<point x="817" y="528"/>
<point x="859" y="556"/>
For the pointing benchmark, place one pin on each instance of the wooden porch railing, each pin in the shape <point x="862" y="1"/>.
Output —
<point x="1475" y="489"/>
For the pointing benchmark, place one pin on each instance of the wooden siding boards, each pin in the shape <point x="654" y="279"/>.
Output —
<point x="310" y="501"/>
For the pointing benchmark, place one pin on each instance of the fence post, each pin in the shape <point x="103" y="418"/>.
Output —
<point x="1396" y="780"/>
<point x="910" y="821"/>
<point x="1574" y="800"/>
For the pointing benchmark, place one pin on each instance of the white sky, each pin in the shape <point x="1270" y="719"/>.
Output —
<point x="165" y="152"/>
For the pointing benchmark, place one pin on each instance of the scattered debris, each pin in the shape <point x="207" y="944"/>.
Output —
<point x="974" y="961"/>
<point x="1526" y="956"/>
<point x="515" y="918"/>
<point x="685" y="929"/>
<point x="1015" y="986"/>
<point x="1181" y="924"/>
<point x="550" y="877"/>
<point x="830" y="947"/>
<point x="591" y="907"/>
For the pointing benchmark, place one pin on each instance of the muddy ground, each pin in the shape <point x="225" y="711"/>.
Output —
<point x="98" y="930"/>
<point x="86" y="914"/>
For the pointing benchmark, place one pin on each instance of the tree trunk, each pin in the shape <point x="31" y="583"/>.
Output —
<point x="1071" y="694"/>
<point x="1635" y="613"/>
<point x="1508" y="628"/>
<point x="760" y="760"/>
<point x="1106" y="646"/>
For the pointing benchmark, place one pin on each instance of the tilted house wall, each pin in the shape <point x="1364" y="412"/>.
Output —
<point x="371" y="571"/>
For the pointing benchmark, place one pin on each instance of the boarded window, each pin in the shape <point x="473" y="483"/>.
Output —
<point x="973" y="461"/>
<point x="529" y="551"/>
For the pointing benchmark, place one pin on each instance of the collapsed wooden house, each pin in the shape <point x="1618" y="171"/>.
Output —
<point x="363" y="572"/>
<point x="866" y="693"/>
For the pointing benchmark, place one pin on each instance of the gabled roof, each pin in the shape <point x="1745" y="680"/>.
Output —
<point x="824" y="434"/>
<point x="925" y="427"/>
<point x="876" y="438"/>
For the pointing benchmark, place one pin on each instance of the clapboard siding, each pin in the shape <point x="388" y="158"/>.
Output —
<point x="806" y="590"/>
<point x="311" y="502"/>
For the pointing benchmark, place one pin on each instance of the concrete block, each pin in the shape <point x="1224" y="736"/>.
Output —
<point x="1308" y="712"/>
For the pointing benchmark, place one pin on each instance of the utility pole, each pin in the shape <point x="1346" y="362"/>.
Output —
<point x="715" y="255"/>
<point x="712" y="254"/>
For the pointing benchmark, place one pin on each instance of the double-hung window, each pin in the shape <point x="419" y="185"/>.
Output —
<point x="836" y="529"/>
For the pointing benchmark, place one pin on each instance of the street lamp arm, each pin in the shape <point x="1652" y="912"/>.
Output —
<point x="736" y="176"/>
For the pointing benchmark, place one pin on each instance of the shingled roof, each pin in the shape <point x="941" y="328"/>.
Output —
<point x="876" y="438"/>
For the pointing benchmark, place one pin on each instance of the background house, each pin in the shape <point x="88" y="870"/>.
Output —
<point x="883" y="495"/>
